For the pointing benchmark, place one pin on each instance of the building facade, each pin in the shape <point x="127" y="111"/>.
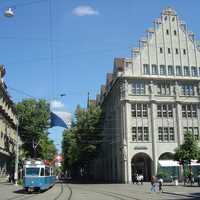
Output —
<point x="8" y="122"/>
<point x="150" y="100"/>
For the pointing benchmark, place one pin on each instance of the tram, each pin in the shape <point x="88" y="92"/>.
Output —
<point x="38" y="175"/>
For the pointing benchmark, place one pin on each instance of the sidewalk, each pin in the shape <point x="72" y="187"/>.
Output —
<point x="3" y="179"/>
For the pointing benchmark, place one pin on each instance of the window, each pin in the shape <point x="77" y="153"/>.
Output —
<point x="178" y="71"/>
<point x="160" y="134"/>
<point x="170" y="70"/>
<point x="166" y="134"/>
<point x="32" y="171"/>
<point x="144" y="110"/>
<point x="134" y="134"/>
<point x="168" y="50"/>
<point x="170" y="110"/>
<point x="140" y="133"/>
<point x="171" y="133"/>
<point x="193" y="130"/>
<point x="146" y="69"/>
<point x="165" y="18"/>
<point x="139" y="110"/>
<point x="184" y="113"/>
<point x="161" y="50"/>
<point x="154" y="69"/>
<point x="196" y="133"/>
<point x="47" y="171"/>
<point x="194" y="110"/>
<point x="159" y="111"/>
<point x="163" y="89"/>
<point x="176" y="50"/>
<point x="187" y="90"/>
<point x="184" y="51"/>
<point x="41" y="171"/>
<point x="186" y="71"/>
<point x="194" y="71"/>
<point x="146" y="134"/>
<point x="133" y="110"/>
<point x="138" y="88"/>
<point x="167" y="32"/>
<point x="173" y="18"/>
<point x="165" y="110"/>
<point x="162" y="70"/>
<point x="189" y="110"/>
<point x="175" y="33"/>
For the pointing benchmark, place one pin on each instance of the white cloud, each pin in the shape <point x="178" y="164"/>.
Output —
<point x="57" y="105"/>
<point x="84" y="10"/>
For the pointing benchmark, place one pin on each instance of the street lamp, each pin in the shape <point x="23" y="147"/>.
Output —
<point x="17" y="155"/>
<point x="9" y="12"/>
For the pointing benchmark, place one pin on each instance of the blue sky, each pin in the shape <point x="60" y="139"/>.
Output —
<point x="86" y="36"/>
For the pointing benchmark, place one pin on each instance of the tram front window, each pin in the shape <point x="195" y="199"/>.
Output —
<point x="32" y="171"/>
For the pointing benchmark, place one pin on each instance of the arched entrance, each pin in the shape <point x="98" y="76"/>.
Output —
<point x="141" y="164"/>
<point x="166" y="156"/>
<point x="167" y="167"/>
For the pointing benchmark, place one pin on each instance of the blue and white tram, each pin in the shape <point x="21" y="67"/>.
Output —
<point x="37" y="175"/>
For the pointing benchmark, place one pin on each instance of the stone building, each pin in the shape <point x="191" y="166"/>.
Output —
<point x="8" y="128"/>
<point x="150" y="100"/>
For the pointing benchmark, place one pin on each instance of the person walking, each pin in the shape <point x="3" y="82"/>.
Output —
<point x="153" y="184"/>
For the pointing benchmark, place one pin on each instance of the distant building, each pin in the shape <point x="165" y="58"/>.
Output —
<point x="150" y="100"/>
<point x="8" y="128"/>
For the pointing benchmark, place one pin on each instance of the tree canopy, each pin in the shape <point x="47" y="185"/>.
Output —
<point x="33" y="116"/>
<point x="188" y="151"/>
<point x="81" y="143"/>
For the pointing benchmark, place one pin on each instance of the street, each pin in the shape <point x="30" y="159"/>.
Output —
<point x="64" y="191"/>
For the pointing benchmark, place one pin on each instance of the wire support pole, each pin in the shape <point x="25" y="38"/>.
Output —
<point x="17" y="155"/>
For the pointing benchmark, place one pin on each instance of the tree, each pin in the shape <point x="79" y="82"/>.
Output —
<point x="83" y="140"/>
<point x="70" y="151"/>
<point x="188" y="151"/>
<point x="33" y="116"/>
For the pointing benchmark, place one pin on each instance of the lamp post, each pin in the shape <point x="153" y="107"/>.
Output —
<point x="17" y="155"/>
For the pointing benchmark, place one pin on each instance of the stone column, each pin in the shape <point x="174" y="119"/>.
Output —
<point x="154" y="137"/>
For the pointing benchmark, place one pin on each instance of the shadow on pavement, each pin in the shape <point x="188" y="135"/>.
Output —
<point x="194" y="196"/>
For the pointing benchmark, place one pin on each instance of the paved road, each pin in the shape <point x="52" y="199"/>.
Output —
<point x="63" y="191"/>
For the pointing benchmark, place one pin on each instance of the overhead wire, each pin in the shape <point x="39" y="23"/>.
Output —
<point x="27" y="3"/>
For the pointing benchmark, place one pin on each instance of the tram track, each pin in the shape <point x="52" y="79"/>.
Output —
<point x="63" y="191"/>
<point x="70" y="192"/>
<point x="60" y="193"/>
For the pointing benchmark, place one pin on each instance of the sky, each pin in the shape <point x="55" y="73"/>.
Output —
<point x="52" y="47"/>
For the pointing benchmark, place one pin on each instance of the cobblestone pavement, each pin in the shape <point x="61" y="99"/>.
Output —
<point x="63" y="191"/>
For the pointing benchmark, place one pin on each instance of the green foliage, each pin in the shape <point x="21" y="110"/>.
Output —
<point x="162" y="174"/>
<point x="20" y="182"/>
<point x="69" y="148"/>
<point x="188" y="151"/>
<point x="34" y="118"/>
<point x="81" y="144"/>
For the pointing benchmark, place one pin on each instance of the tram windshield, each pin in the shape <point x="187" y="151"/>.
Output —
<point x="32" y="171"/>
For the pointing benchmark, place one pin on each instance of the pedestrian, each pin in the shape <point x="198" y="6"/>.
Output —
<point x="160" y="184"/>
<point x="153" y="184"/>
<point x="140" y="179"/>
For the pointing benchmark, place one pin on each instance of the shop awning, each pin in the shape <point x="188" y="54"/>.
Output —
<point x="168" y="163"/>
<point x="172" y="163"/>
